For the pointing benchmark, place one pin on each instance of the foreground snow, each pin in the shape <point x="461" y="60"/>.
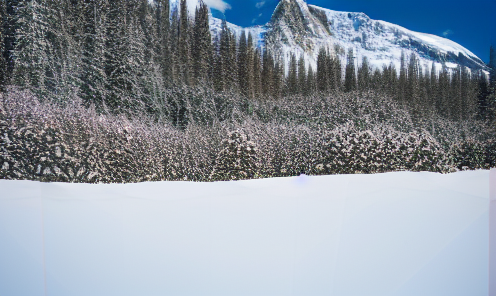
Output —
<point x="385" y="234"/>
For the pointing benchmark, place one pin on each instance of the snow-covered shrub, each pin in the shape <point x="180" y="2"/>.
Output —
<point x="237" y="159"/>
<point x="348" y="150"/>
<point x="469" y="155"/>
<point x="491" y="154"/>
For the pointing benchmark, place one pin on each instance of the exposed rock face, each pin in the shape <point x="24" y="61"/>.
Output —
<point x="302" y="29"/>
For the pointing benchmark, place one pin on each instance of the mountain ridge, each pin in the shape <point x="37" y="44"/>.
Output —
<point x="302" y="29"/>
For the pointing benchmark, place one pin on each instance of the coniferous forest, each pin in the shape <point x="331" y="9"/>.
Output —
<point x="130" y="91"/>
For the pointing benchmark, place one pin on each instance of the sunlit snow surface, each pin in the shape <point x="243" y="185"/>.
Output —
<point x="384" y="234"/>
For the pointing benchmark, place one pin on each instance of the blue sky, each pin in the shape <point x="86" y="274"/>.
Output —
<point x="469" y="23"/>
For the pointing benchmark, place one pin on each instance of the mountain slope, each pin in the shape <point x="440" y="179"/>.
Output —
<point x="296" y="27"/>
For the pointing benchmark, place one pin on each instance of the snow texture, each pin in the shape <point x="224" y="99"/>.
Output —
<point x="385" y="234"/>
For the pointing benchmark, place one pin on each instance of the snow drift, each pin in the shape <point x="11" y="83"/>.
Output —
<point x="385" y="234"/>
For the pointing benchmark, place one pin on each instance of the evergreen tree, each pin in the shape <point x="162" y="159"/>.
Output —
<point x="257" y="74"/>
<point x="202" y="47"/>
<point x="364" y="75"/>
<point x="242" y="65"/>
<point x="163" y="35"/>
<point x="278" y="79"/>
<point x="402" y="83"/>
<point x="350" y="76"/>
<point x="492" y="65"/>
<point x="184" y="45"/>
<point x="311" y="83"/>
<point x="322" y="68"/>
<point x="267" y="73"/>
<point x="3" y="64"/>
<point x="31" y="49"/>
<point x="292" y="79"/>
<point x="413" y="94"/>
<point x="443" y="92"/>
<point x="302" y="76"/>
<point x="338" y="73"/>
<point x="483" y="92"/>
<point x="237" y="160"/>
<point x="433" y="87"/>
<point x="455" y="94"/>
<point x="232" y="58"/>
<point x="250" y="53"/>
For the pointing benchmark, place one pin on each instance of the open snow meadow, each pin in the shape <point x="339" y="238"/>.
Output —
<point x="399" y="233"/>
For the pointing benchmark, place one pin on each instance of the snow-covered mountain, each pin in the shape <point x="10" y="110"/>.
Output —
<point x="296" y="27"/>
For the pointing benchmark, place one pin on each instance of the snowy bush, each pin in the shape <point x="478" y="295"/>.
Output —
<point x="348" y="151"/>
<point x="471" y="154"/>
<point x="237" y="159"/>
<point x="71" y="143"/>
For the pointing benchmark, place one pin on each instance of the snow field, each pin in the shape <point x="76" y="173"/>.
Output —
<point x="397" y="233"/>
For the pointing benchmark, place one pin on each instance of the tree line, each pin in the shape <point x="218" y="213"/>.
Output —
<point x="123" y="53"/>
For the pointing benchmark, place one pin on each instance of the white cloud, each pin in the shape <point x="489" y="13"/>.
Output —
<point x="448" y="32"/>
<point x="260" y="4"/>
<point x="218" y="4"/>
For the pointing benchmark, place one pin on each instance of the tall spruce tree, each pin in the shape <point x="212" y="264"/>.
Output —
<point x="242" y="63"/>
<point x="402" y="82"/>
<point x="184" y="45"/>
<point x="250" y="53"/>
<point x="257" y="73"/>
<point x="292" y="79"/>
<point x="3" y="64"/>
<point x="267" y="73"/>
<point x="322" y="68"/>
<point x="202" y="45"/>
<point x="163" y="34"/>
<point x="364" y="75"/>
<point x="350" y="76"/>
<point x="31" y="49"/>
<point x="302" y="76"/>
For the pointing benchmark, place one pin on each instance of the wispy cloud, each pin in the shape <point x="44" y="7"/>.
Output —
<point x="260" y="4"/>
<point x="448" y="32"/>
<point x="256" y="19"/>
<point x="220" y="5"/>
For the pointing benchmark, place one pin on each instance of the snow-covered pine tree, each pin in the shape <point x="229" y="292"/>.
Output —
<point x="292" y="79"/>
<point x="3" y="64"/>
<point x="278" y="79"/>
<point x="184" y="45"/>
<point x="350" y="75"/>
<point x="242" y="63"/>
<point x="164" y="36"/>
<point x="94" y="17"/>
<point x="302" y="75"/>
<point x="444" y="93"/>
<point x="237" y="160"/>
<point x="433" y="87"/>
<point x="364" y="74"/>
<point x="267" y="73"/>
<point x="250" y="53"/>
<point x="233" y="81"/>
<point x="456" y="94"/>
<point x="257" y="73"/>
<point x="311" y="84"/>
<point x="63" y="73"/>
<point x="402" y="82"/>
<point x="322" y="69"/>
<point x="31" y="47"/>
<point x="412" y="94"/>
<point x="202" y="45"/>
